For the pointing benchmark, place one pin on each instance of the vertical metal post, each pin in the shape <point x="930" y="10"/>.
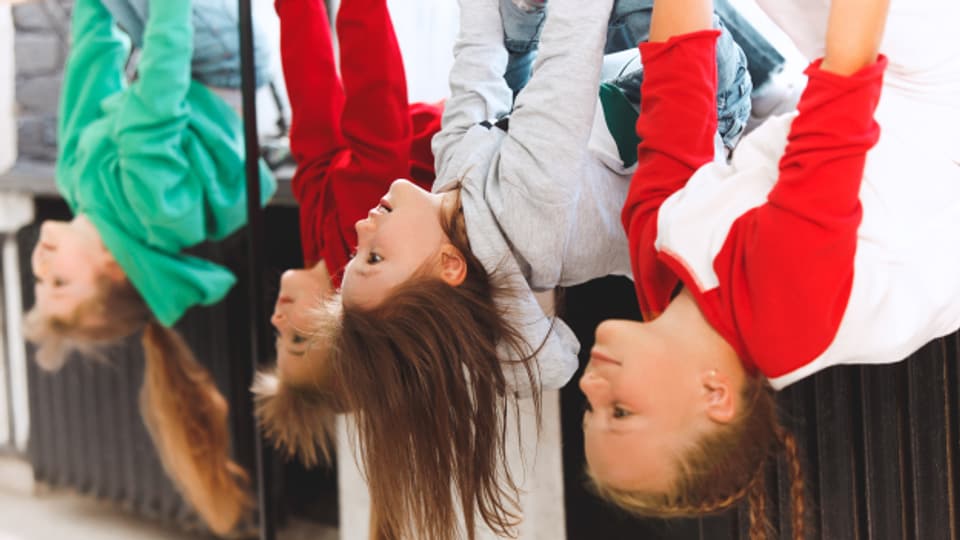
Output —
<point x="254" y="250"/>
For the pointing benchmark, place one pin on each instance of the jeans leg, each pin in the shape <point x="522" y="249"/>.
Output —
<point x="733" y="87"/>
<point x="763" y="60"/>
<point x="629" y="24"/>
<point x="130" y="15"/>
<point x="521" y="33"/>
<point x="216" y="55"/>
<point x="216" y="39"/>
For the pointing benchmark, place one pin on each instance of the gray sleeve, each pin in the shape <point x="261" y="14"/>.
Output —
<point x="550" y="125"/>
<point x="478" y="90"/>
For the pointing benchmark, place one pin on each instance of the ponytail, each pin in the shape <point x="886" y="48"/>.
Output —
<point x="187" y="419"/>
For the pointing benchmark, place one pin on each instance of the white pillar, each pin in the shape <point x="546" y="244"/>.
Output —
<point x="538" y="470"/>
<point x="8" y="124"/>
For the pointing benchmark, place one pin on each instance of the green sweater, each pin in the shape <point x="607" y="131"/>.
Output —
<point x="157" y="165"/>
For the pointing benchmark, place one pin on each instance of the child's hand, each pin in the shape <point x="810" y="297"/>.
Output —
<point x="854" y="31"/>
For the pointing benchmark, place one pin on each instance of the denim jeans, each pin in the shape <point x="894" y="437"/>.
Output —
<point x="629" y="25"/>
<point x="216" y="39"/>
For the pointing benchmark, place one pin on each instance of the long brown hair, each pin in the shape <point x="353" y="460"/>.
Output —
<point x="725" y="467"/>
<point x="424" y="373"/>
<point x="184" y="412"/>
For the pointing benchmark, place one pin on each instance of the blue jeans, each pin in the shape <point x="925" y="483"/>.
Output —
<point x="216" y="39"/>
<point x="629" y="25"/>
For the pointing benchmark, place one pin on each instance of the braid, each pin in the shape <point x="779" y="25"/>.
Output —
<point x="792" y="457"/>
<point x="758" y="506"/>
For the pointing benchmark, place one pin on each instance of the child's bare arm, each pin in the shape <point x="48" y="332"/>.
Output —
<point x="676" y="17"/>
<point x="854" y="31"/>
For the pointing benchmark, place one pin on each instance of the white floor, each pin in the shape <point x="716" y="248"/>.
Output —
<point x="61" y="515"/>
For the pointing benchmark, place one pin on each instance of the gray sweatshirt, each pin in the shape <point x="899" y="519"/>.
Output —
<point x="541" y="205"/>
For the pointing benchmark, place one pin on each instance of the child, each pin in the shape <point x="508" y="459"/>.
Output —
<point x="149" y="168"/>
<point x="350" y="139"/>
<point x="831" y="257"/>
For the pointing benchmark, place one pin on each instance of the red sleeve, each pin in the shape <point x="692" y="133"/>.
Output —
<point x="789" y="264"/>
<point x="676" y="126"/>
<point x="316" y="100"/>
<point x="366" y="124"/>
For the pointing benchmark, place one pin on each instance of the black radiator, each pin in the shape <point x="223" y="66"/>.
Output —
<point x="86" y="433"/>
<point x="880" y="446"/>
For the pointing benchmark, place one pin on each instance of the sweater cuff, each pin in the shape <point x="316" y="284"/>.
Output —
<point x="701" y="39"/>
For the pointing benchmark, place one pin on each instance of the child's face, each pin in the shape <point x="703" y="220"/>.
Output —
<point x="396" y="239"/>
<point x="67" y="261"/>
<point x="644" y="409"/>
<point x="300" y="291"/>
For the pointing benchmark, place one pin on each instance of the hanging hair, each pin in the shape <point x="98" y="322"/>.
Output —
<point x="725" y="467"/>
<point x="425" y="373"/>
<point x="185" y="414"/>
<point x="298" y="418"/>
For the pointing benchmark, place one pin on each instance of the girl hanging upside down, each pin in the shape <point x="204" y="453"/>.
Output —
<point x="816" y="245"/>
<point x="149" y="168"/>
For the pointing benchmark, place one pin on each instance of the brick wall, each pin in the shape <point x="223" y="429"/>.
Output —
<point x="40" y="46"/>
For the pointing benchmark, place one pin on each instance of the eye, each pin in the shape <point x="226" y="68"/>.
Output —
<point x="59" y="282"/>
<point x="374" y="258"/>
<point x="620" y="412"/>
<point x="298" y="339"/>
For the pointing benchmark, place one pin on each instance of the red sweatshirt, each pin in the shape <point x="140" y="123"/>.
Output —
<point x="772" y="272"/>
<point x="350" y="138"/>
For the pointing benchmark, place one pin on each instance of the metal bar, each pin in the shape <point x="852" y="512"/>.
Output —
<point x="254" y="249"/>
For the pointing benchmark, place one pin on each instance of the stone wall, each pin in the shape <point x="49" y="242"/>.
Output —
<point x="40" y="47"/>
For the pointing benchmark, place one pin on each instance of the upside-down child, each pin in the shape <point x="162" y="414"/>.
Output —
<point x="149" y="168"/>
<point x="819" y="244"/>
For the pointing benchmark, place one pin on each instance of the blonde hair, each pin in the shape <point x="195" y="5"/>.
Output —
<point x="725" y="467"/>
<point x="184" y="412"/>
<point x="300" y="418"/>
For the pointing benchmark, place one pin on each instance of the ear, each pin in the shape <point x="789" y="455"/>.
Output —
<point x="719" y="394"/>
<point x="453" y="265"/>
<point x="112" y="270"/>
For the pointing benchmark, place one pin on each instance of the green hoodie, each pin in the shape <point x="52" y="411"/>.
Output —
<point x="157" y="165"/>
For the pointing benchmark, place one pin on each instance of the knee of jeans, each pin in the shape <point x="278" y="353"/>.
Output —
<point x="521" y="29"/>
<point x="629" y="25"/>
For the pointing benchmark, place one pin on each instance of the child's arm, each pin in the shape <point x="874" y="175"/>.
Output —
<point x="478" y="91"/>
<point x="677" y="123"/>
<point x="94" y="70"/>
<point x="546" y="146"/>
<point x="155" y="104"/>
<point x="796" y="253"/>
<point x="376" y="120"/>
<point x="316" y="101"/>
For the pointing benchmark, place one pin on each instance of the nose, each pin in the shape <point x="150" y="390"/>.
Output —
<point x="591" y="385"/>
<point x="278" y="318"/>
